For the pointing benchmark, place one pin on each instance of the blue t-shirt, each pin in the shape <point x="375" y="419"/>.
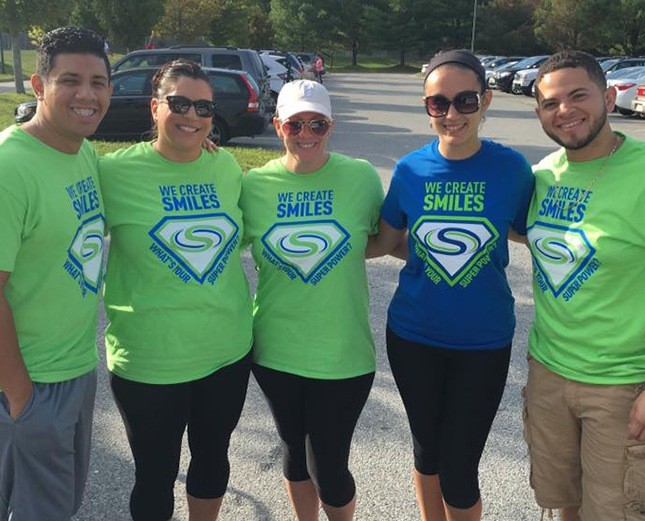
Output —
<point x="453" y="290"/>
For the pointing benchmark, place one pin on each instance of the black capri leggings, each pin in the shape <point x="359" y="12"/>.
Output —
<point x="316" y="420"/>
<point x="155" y="417"/>
<point x="451" y="397"/>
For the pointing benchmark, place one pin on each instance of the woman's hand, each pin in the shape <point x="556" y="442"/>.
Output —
<point x="209" y="145"/>
<point x="388" y="240"/>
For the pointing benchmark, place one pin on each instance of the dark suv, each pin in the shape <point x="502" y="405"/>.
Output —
<point x="502" y="79"/>
<point x="247" y="60"/>
<point x="237" y="113"/>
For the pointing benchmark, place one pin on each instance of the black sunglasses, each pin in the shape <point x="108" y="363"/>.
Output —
<point x="181" y="105"/>
<point x="466" y="102"/>
<point x="318" y="127"/>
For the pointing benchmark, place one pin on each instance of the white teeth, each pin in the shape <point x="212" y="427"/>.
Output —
<point x="307" y="145"/>
<point x="572" y="124"/>
<point x="186" y="129"/>
<point x="84" y="112"/>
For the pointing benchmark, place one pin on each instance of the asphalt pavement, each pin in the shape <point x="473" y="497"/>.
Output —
<point x="378" y="117"/>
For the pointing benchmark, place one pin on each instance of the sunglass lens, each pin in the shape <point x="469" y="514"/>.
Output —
<point x="437" y="106"/>
<point x="178" y="104"/>
<point x="467" y="102"/>
<point x="292" y="128"/>
<point x="319" y="127"/>
<point x="204" y="108"/>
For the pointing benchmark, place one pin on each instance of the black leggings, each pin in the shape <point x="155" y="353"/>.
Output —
<point x="155" y="417"/>
<point x="316" y="421"/>
<point x="451" y="397"/>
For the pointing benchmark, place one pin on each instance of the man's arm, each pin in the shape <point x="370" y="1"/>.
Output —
<point x="636" y="427"/>
<point x="14" y="378"/>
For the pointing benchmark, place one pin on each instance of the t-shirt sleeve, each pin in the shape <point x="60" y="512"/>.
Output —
<point x="391" y="210"/>
<point x="525" y="192"/>
<point x="13" y="211"/>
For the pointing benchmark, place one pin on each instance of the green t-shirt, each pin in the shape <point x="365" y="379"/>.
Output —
<point x="175" y="292"/>
<point x="308" y="234"/>
<point x="51" y="240"/>
<point x="587" y="238"/>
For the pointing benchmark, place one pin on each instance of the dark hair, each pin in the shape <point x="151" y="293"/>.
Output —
<point x="570" y="59"/>
<point x="68" y="40"/>
<point x="459" y="58"/>
<point x="173" y="70"/>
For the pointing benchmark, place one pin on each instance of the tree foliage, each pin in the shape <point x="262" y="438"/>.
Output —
<point x="17" y="16"/>
<point x="187" y="21"/>
<point x="128" y="23"/>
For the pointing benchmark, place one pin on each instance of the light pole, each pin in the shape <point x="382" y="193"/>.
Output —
<point x="472" y="38"/>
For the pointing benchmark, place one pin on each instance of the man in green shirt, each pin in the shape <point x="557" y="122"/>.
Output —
<point x="51" y="240"/>
<point x="585" y="405"/>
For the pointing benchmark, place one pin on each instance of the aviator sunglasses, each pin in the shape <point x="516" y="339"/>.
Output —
<point x="181" y="105"/>
<point x="318" y="127"/>
<point x="466" y="102"/>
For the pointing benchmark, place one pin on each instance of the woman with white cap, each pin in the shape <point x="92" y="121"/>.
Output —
<point x="451" y="321"/>
<point x="307" y="216"/>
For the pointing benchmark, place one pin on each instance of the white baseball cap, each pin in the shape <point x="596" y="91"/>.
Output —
<point x="303" y="96"/>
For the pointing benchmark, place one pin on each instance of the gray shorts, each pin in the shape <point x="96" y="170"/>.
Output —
<point x="44" y="452"/>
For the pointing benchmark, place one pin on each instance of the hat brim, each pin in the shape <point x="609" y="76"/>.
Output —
<point x="303" y="106"/>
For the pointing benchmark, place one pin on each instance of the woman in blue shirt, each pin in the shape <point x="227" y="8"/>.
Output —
<point x="451" y="321"/>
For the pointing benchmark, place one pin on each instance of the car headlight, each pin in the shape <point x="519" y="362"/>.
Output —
<point x="504" y="74"/>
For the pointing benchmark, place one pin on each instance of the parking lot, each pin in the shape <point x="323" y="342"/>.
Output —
<point x="378" y="117"/>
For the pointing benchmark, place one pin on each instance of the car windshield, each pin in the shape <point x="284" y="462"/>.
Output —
<point x="608" y="63"/>
<point x="527" y="62"/>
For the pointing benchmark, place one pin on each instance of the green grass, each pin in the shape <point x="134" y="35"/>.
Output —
<point x="28" y="64"/>
<point x="8" y="103"/>
<point x="246" y="156"/>
<point x="372" y="64"/>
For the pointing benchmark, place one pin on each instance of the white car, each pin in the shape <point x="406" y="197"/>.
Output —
<point x="277" y="74"/>
<point x="626" y="87"/>
<point x="638" y="105"/>
<point x="523" y="82"/>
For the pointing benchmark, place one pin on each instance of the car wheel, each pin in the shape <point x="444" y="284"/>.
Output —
<point x="625" y="112"/>
<point x="528" y="91"/>
<point x="219" y="132"/>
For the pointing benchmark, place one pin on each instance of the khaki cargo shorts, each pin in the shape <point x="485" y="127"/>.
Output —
<point x="580" y="455"/>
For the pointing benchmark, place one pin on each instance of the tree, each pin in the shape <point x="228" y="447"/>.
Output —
<point x="186" y="21"/>
<point x="127" y="22"/>
<point x="244" y="23"/>
<point x="17" y="16"/>
<point x="84" y="15"/>
<point x="629" y="31"/>
<point x="302" y="25"/>
<point x="576" y="24"/>
<point x="507" y="25"/>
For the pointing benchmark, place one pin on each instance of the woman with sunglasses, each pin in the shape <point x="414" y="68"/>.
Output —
<point x="451" y="321"/>
<point x="180" y="325"/>
<point x="307" y="216"/>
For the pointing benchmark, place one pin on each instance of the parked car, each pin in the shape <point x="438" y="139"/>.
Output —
<point x="289" y="60"/>
<point x="219" y="57"/>
<point x="503" y="78"/>
<point x="293" y="72"/>
<point x="626" y="87"/>
<point x="638" y="103"/>
<point x="277" y="74"/>
<point x="523" y="82"/>
<point x="627" y="62"/>
<point x="504" y="61"/>
<point x="238" y="111"/>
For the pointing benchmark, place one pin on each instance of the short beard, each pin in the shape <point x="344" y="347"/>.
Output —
<point x="593" y="133"/>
